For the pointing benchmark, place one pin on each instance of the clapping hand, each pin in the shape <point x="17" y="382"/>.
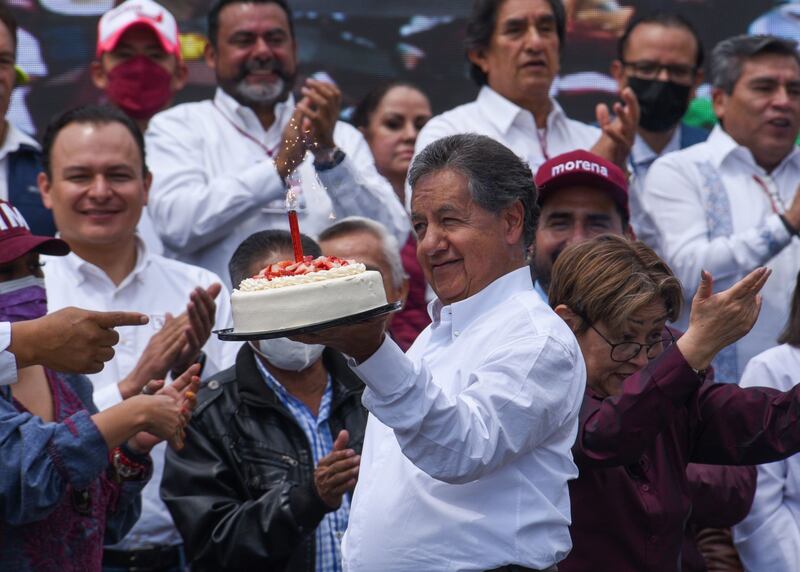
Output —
<point x="336" y="472"/>
<point x="718" y="320"/>
<point x="618" y="135"/>
<point x="201" y="312"/>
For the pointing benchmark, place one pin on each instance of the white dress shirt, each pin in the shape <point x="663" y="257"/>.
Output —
<point x="641" y="159"/>
<point x="156" y="285"/>
<point x="214" y="183"/>
<point x="493" y="115"/>
<point x="467" y="450"/>
<point x="710" y="204"/>
<point x="768" y="539"/>
<point x="8" y="363"/>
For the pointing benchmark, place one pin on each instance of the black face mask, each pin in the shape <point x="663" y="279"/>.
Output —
<point x="662" y="103"/>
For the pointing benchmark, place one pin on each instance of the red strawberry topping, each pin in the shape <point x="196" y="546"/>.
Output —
<point x="305" y="266"/>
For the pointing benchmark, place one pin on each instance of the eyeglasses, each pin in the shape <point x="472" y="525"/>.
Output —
<point x="626" y="351"/>
<point x="647" y="69"/>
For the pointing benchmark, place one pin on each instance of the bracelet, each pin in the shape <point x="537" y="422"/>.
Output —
<point x="789" y="228"/>
<point x="126" y="468"/>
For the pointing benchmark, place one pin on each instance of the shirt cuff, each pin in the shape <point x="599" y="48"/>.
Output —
<point x="387" y="372"/>
<point x="8" y="363"/>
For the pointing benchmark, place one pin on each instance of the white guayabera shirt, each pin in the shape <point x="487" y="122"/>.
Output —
<point x="467" y="450"/>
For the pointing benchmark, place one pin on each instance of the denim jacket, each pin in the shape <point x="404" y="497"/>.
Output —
<point x="58" y="502"/>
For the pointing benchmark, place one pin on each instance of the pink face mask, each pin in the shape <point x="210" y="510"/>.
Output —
<point x="140" y="87"/>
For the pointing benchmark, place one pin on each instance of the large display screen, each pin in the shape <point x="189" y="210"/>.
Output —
<point x="359" y="43"/>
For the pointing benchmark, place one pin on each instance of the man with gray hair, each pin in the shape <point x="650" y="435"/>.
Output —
<point x="369" y="242"/>
<point x="467" y="449"/>
<point x="730" y="204"/>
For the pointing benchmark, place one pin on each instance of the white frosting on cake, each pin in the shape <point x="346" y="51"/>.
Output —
<point x="261" y="305"/>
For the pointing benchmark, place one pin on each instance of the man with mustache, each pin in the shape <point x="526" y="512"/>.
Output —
<point x="220" y="166"/>
<point x="513" y="47"/>
<point x="730" y="204"/>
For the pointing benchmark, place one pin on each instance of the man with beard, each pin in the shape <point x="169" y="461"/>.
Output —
<point x="731" y="204"/>
<point x="660" y="57"/>
<point x="220" y="166"/>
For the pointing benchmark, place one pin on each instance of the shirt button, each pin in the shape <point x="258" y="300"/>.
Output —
<point x="213" y="384"/>
<point x="645" y="488"/>
<point x="457" y="333"/>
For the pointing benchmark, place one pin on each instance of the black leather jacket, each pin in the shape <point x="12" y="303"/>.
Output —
<point x="241" y="491"/>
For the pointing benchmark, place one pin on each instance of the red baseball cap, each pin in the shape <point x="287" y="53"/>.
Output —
<point x="117" y="21"/>
<point x="17" y="240"/>
<point x="585" y="169"/>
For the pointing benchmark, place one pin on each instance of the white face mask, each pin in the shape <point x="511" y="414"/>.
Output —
<point x="287" y="354"/>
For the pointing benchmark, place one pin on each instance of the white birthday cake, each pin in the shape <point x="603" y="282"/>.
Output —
<point x="292" y="294"/>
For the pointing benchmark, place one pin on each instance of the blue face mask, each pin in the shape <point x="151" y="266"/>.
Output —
<point x="22" y="299"/>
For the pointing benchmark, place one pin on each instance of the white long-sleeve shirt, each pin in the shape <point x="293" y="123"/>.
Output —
<point x="768" y="539"/>
<point x="214" y="183"/>
<point x="467" y="450"/>
<point x="155" y="287"/>
<point x="711" y="207"/>
<point x="493" y="115"/>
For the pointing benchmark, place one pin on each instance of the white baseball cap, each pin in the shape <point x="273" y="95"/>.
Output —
<point x="115" y="22"/>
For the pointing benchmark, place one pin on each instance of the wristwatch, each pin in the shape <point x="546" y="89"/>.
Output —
<point x="328" y="158"/>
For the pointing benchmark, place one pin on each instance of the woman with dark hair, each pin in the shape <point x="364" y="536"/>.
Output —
<point x="768" y="539"/>
<point x="390" y="117"/>
<point x="648" y="410"/>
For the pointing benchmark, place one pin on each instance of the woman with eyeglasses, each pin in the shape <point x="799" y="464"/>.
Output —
<point x="649" y="410"/>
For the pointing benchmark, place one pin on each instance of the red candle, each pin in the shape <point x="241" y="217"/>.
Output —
<point x="295" y="230"/>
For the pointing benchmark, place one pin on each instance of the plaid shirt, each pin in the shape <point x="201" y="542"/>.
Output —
<point x="332" y="527"/>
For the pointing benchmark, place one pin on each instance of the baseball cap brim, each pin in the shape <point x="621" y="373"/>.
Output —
<point x="20" y="244"/>
<point x="112" y="40"/>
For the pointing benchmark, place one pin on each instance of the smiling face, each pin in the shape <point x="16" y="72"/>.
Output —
<point x="393" y="128"/>
<point x="604" y="375"/>
<point x="571" y="215"/>
<point x="522" y="57"/>
<point x="763" y="111"/>
<point x="254" y="58"/>
<point x="97" y="188"/>
<point x="462" y="247"/>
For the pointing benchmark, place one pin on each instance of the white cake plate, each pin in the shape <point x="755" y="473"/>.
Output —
<point x="229" y="335"/>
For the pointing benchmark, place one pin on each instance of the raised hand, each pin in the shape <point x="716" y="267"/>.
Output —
<point x="293" y="145"/>
<point x="201" y="312"/>
<point x="70" y="340"/>
<point x="618" y="134"/>
<point x="359" y="340"/>
<point x="159" y="356"/>
<point x="320" y="105"/>
<point x="718" y="320"/>
<point x="337" y="472"/>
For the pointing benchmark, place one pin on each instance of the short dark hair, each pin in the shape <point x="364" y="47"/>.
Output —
<point x="370" y="102"/>
<point x="10" y="22"/>
<point x="94" y="114"/>
<point x="261" y="244"/>
<point x="212" y="19"/>
<point x="497" y="178"/>
<point x="667" y="20"/>
<point x="482" y="21"/>
<point x="728" y="56"/>
<point x="791" y="333"/>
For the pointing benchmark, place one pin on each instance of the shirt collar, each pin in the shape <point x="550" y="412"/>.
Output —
<point x="82" y="269"/>
<point x="14" y="139"/>
<point x="642" y="154"/>
<point x="461" y="314"/>
<point x="282" y="393"/>
<point x="723" y="147"/>
<point x="244" y="117"/>
<point x="503" y="112"/>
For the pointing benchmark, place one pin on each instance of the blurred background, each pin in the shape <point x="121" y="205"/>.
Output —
<point x="359" y="43"/>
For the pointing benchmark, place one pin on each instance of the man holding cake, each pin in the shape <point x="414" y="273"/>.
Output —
<point x="467" y="451"/>
<point x="220" y="165"/>
<point x="265" y="478"/>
